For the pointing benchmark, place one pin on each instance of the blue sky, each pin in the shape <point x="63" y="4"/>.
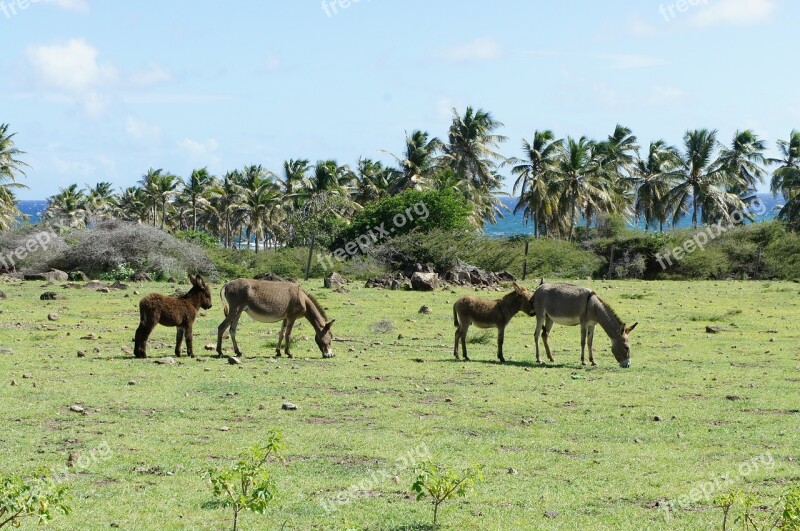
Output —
<point x="104" y="90"/>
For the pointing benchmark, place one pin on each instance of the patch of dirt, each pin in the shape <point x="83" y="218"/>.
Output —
<point x="772" y="411"/>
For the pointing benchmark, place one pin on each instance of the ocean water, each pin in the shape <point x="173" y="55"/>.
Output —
<point x="510" y="225"/>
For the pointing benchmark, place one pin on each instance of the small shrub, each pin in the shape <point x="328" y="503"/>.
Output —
<point x="745" y="508"/>
<point x="248" y="485"/>
<point x="121" y="272"/>
<point x="481" y="338"/>
<point x="384" y="326"/>
<point x="441" y="483"/>
<point x="39" y="497"/>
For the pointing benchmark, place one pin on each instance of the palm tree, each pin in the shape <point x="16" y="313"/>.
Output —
<point x="295" y="177"/>
<point x="532" y="176"/>
<point x="101" y="200"/>
<point x="418" y="162"/>
<point x="260" y="204"/>
<point x="226" y="199"/>
<point x="703" y="181"/>
<point x="786" y="179"/>
<point x="580" y="184"/>
<point x="744" y="161"/>
<point x="10" y="169"/>
<point x="68" y="207"/>
<point x="195" y="191"/>
<point x="471" y="152"/>
<point x="654" y="177"/>
<point x="374" y="180"/>
<point x="132" y="205"/>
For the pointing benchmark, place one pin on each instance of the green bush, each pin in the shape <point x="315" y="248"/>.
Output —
<point x="412" y="210"/>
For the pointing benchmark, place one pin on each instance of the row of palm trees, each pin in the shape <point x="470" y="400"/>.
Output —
<point x="255" y="204"/>
<point x="558" y="184"/>
<point x="560" y="180"/>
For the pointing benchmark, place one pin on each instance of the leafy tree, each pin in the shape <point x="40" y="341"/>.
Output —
<point x="40" y="497"/>
<point x="442" y="484"/>
<point x="416" y="210"/>
<point x="418" y="162"/>
<point x="248" y="485"/>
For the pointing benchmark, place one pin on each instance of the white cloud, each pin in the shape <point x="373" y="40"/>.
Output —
<point x="617" y="61"/>
<point x="73" y="169"/>
<point x="199" y="149"/>
<point x="664" y="96"/>
<point x="81" y="6"/>
<point x="71" y="67"/>
<point x="737" y="12"/>
<point x="152" y="76"/>
<point x="481" y="49"/>
<point x="141" y="130"/>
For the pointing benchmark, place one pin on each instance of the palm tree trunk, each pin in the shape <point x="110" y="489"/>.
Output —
<point x="310" y="254"/>
<point x="694" y="208"/>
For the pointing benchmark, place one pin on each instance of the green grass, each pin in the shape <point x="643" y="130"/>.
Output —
<point x="588" y="448"/>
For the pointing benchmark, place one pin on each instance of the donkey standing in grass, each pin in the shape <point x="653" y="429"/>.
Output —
<point x="567" y="304"/>
<point x="269" y="302"/>
<point x="180" y="311"/>
<point x="484" y="313"/>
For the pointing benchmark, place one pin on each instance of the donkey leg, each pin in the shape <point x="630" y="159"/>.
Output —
<point x="584" y="330"/>
<point x="189" y="342"/>
<point x="142" y="333"/>
<point x="280" y="339"/>
<point x="500" y="333"/>
<point x="178" y="341"/>
<point x="464" y="341"/>
<point x="234" y="326"/>
<point x="590" y="337"/>
<point x="548" y="325"/>
<point x="289" y="326"/>
<point x="537" y="333"/>
<point x="224" y="325"/>
<point x="455" y="347"/>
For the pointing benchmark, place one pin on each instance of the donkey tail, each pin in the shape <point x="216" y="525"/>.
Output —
<point x="224" y="300"/>
<point x="455" y="316"/>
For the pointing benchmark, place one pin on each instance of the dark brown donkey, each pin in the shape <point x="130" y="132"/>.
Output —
<point x="485" y="313"/>
<point x="180" y="311"/>
<point x="270" y="302"/>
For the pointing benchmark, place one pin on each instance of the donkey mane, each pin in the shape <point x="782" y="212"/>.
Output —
<point x="317" y="304"/>
<point x="609" y="309"/>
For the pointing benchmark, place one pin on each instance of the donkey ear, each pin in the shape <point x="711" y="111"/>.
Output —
<point x="518" y="288"/>
<point x="192" y="279"/>
<point x="630" y="328"/>
<point x="541" y="281"/>
<point x="327" y="327"/>
<point x="200" y="281"/>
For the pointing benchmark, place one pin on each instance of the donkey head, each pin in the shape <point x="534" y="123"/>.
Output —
<point x="199" y="286"/>
<point x="324" y="338"/>
<point x="621" y="348"/>
<point x="526" y="298"/>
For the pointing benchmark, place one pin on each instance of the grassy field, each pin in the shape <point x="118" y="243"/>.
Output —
<point x="565" y="447"/>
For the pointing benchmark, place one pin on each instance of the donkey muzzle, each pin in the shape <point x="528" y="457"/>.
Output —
<point x="625" y="364"/>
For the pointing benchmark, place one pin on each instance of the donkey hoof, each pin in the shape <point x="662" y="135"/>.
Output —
<point x="594" y="364"/>
<point x="502" y="360"/>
